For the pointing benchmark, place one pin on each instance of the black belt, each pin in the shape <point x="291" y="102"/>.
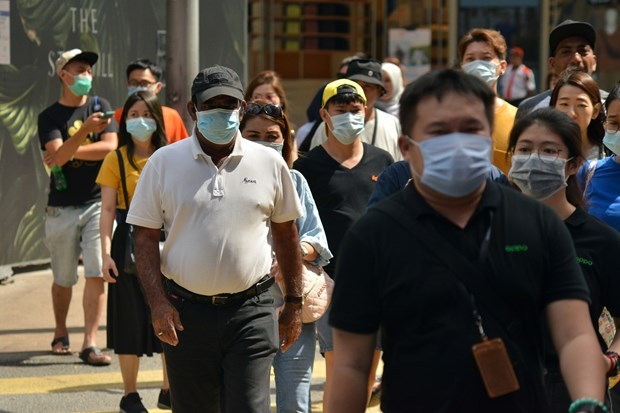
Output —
<point x="221" y="299"/>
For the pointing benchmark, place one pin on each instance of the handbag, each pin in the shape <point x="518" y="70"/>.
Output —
<point x="317" y="289"/>
<point x="317" y="292"/>
<point x="129" y="262"/>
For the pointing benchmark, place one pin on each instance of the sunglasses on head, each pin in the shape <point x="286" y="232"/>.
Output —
<point x="269" y="109"/>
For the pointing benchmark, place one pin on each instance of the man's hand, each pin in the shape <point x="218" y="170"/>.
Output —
<point x="165" y="317"/>
<point x="166" y="322"/>
<point x="95" y="123"/>
<point x="289" y="325"/>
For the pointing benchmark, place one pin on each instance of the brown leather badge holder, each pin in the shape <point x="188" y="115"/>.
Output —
<point x="495" y="367"/>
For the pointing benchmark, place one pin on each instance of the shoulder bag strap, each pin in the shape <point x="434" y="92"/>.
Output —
<point x="464" y="270"/>
<point x="374" y="130"/>
<point x="121" y="167"/>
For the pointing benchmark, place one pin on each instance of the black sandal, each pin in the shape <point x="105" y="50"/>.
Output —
<point x="98" y="359"/>
<point x="65" y="350"/>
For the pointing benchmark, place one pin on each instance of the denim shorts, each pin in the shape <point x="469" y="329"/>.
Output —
<point x="69" y="232"/>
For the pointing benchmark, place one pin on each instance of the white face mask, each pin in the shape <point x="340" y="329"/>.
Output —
<point x="486" y="71"/>
<point x="537" y="176"/>
<point x="455" y="164"/>
<point x="347" y="126"/>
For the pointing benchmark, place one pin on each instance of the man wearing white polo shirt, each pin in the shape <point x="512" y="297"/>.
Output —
<point x="225" y="203"/>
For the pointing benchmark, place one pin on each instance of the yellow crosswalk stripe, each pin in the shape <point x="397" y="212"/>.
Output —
<point x="69" y="383"/>
<point x="81" y="382"/>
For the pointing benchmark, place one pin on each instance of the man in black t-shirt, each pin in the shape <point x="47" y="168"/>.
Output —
<point x="453" y="262"/>
<point x="76" y="133"/>
<point x="341" y="174"/>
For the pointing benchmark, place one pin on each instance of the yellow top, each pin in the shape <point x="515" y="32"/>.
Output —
<point x="503" y="121"/>
<point x="110" y="175"/>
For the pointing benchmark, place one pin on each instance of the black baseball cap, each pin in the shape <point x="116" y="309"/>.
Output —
<point x="366" y="70"/>
<point x="214" y="81"/>
<point x="571" y="28"/>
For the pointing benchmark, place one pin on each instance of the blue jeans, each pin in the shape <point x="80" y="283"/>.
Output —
<point x="293" y="371"/>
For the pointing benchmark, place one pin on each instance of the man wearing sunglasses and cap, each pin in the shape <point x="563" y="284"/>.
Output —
<point x="76" y="136"/>
<point x="224" y="202"/>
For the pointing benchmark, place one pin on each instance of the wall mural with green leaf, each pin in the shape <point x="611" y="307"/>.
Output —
<point x="120" y="31"/>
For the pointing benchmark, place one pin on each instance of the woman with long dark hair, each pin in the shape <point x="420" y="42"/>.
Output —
<point x="130" y="332"/>
<point x="577" y="95"/>
<point x="546" y="148"/>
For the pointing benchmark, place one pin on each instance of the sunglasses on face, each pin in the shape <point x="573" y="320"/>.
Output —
<point x="269" y="109"/>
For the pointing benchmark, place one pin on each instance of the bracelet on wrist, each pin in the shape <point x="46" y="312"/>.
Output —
<point x="587" y="405"/>
<point x="614" y="360"/>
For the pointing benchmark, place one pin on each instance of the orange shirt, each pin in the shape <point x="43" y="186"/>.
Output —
<point x="175" y="128"/>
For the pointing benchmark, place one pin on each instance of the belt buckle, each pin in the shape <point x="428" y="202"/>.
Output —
<point x="219" y="300"/>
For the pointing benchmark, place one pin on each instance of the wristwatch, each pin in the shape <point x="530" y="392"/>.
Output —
<point x="293" y="299"/>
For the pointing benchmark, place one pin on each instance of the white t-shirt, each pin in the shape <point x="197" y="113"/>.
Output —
<point x="386" y="138"/>
<point x="217" y="221"/>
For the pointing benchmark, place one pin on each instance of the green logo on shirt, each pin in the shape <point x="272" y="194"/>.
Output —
<point x="584" y="261"/>
<point x="516" y="248"/>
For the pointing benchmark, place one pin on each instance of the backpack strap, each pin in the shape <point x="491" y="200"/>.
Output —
<point x="96" y="104"/>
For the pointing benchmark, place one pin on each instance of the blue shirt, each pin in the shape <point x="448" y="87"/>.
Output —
<point x="603" y="191"/>
<point x="309" y="225"/>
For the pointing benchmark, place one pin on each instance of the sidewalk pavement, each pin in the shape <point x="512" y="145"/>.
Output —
<point x="27" y="316"/>
<point x="26" y="332"/>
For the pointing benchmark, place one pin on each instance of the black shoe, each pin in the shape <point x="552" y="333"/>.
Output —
<point x="163" y="401"/>
<point x="132" y="403"/>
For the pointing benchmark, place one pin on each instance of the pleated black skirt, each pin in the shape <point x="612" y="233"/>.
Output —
<point x="129" y="328"/>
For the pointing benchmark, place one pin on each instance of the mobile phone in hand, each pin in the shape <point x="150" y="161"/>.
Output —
<point x="107" y="115"/>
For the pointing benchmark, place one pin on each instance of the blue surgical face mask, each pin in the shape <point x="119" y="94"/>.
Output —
<point x="81" y="84"/>
<point x="141" y="128"/>
<point x="612" y="142"/>
<point x="456" y="164"/>
<point x="218" y="126"/>
<point x="132" y="90"/>
<point x="347" y="126"/>
<point x="486" y="71"/>
<point x="276" y="146"/>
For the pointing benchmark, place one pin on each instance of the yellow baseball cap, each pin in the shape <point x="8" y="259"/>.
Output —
<point x="339" y="87"/>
